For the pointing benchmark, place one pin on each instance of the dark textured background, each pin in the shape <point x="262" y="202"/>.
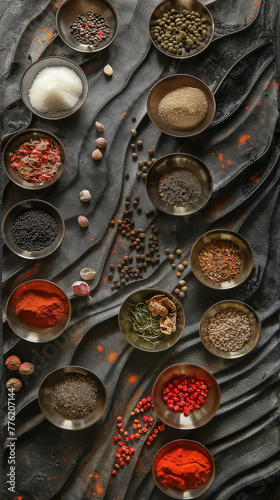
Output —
<point x="241" y="148"/>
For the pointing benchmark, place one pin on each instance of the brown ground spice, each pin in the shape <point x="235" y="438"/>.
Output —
<point x="184" y="108"/>
<point x="74" y="396"/>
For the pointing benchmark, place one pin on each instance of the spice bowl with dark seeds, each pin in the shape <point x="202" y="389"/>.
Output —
<point x="38" y="311"/>
<point x="151" y="320"/>
<point x="87" y="25"/>
<point x="221" y="259"/>
<point x="196" y="393"/>
<point x="179" y="184"/>
<point x="183" y="469"/>
<point x="181" y="28"/>
<point x="181" y="105"/>
<point x="72" y="398"/>
<point x="33" y="229"/>
<point x="61" y="90"/>
<point x="20" y="166"/>
<point x="230" y="329"/>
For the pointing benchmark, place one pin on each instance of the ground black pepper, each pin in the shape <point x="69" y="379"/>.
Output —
<point x="34" y="230"/>
<point x="74" y="396"/>
<point x="179" y="187"/>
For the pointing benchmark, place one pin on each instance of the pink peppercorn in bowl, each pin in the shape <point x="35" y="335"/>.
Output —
<point x="33" y="138"/>
<point x="223" y="255"/>
<point x="196" y="392"/>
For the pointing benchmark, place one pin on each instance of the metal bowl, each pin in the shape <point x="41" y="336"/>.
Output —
<point x="32" y="71"/>
<point x="53" y="416"/>
<point x="33" y="334"/>
<point x="190" y="445"/>
<point x="255" y="325"/>
<point x="15" y="142"/>
<point x="125" y="323"/>
<point x="222" y="234"/>
<point x="71" y="9"/>
<point x="198" y="417"/>
<point x="21" y="207"/>
<point x="191" y="5"/>
<point x="172" y="162"/>
<point x="174" y="82"/>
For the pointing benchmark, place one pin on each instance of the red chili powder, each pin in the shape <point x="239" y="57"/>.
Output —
<point x="40" y="309"/>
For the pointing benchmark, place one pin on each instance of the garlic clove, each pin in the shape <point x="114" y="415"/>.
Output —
<point x="87" y="273"/>
<point x="83" y="221"/>
<point x="97" y="155"/>
<point x="108" y="70"/>
<point x="101" y="142"/>
<point x="81" y="288"/>
<point x="85" y="195"/>
<point x="99" y="127"/>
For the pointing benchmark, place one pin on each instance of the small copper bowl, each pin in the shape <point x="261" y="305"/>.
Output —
<point x="222" y="234"/>
<point x="191" y="5"/>
<point x="254" y="321"/>
<point x="125" y="322"/>
<point x="174" y="82"/>
<point x="198" y="417"/>
<point x="168" y="164"/>
<point x="53" y="416"/>
<point x="34" y="334"/>
<point x="15" y="142"/>
<point x="71" y="9"/>
<point x="189" y="445"/>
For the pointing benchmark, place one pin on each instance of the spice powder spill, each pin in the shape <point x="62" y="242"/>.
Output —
<point x="183" y="108"/>
<point x="74" y="396"/>
<point x="220" y="260"/>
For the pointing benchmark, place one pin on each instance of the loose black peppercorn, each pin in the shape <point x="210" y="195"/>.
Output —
<point x="126" y="175"/>
<point x="90" y="29"/>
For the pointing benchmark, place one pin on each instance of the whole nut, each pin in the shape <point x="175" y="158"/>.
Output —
<point x="101" y="142"/>
<point x="26" y="368"/>
<point x="13" y="362"/>
<point x="85" y="195"/>
<point x="14" y="383"/>
<point x="108" y="70"/>
<point x="83" y="221"/>
<point x="97" y="155"/>
<point x="99" y="127"/>
<point x="87" y="273"/>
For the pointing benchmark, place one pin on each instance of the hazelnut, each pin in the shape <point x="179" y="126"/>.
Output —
<point x="97" y="155"/>
<point x="26" y="368"/>
<point x="101" y="142"/>
<point x="99" y="127"/>
<point x="14" y="383"/>
<point x="13" y="362"/>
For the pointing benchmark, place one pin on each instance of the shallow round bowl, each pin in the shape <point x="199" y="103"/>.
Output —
<point x="71" y="9"/>
<point x="174" y="82"/>
<point x="168" y="164"/>
<point x="33" y="334"/>
<point x="18" y="209"/>
<point x="32" y="71"/>
<point x="191" y="5"/>
<point x="198" y="417"/>
<point x="26" y="136"/>
<point x="255" y="326"/>
<point x="53" y="416"/>
<point x="192" y="446"/>
<point x="125" y="322"/>
<point x="222" y="234"/>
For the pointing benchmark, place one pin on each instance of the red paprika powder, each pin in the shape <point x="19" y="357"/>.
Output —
<point x="182" y="468"/>
<point x="40" y="309"/>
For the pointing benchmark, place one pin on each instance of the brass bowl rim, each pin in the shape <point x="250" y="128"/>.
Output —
<point x="230" y="303"/>
<point x="27" y="283"/>
<point x="187" y="55"/>
<point x="186" y="494"/>
<point x="33" y="185"/>
<point x="94" y="49"/>
<point x="212" y="284"/>
<point x="153" y="291"/>
<point x="170" y="156"/>
<point x="60" y="373"/>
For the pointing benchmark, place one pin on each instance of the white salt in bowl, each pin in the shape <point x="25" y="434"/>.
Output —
<point x="32" y="72"/>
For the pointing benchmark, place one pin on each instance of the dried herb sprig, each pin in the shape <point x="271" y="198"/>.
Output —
<point x="145" y="325"/>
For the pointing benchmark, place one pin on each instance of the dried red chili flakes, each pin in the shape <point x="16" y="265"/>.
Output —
<point x="36" y="160"/>
<point x="220" y="260"/>
<point x="185" y="395"/>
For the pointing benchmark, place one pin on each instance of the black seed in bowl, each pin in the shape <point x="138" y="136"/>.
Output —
<point x="34" y="230"/>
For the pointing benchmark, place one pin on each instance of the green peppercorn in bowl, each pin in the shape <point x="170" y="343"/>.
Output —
<point x="145" y="328"/>
<point x="87" y="26"/>
<point x="230" y="329"/>
<point x="187" y="381"/>
<point x="48" y="163"/>
<point x="221" y="259"/>
<point x="72" y="398"/>
<point x="181" y="28"/>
